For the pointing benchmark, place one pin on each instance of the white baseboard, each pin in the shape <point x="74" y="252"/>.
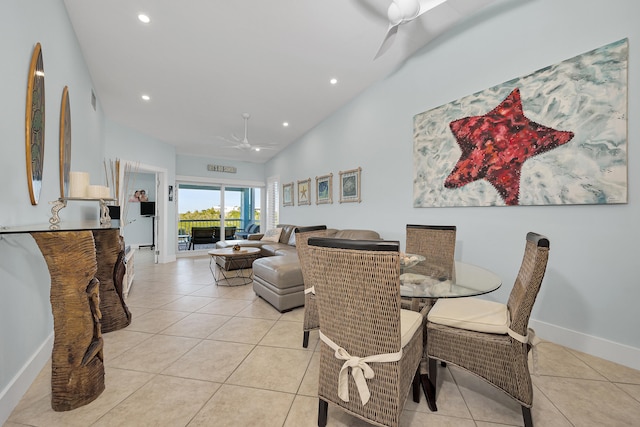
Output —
<point x="599" y="347"/>
<point x="18" y="386"/>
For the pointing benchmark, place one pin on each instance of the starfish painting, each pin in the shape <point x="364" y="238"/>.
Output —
<point x="496" y="145"/>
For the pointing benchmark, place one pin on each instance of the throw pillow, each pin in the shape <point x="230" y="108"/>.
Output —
<point x="292" y="238"/>
<point x="272" y="235"/>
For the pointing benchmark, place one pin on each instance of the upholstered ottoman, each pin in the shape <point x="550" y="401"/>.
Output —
<point x="278" y="280"/>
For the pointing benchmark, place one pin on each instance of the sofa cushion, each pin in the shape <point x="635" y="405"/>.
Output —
<point x="287" y="229"/>
<point x="356" y="234"/>
<point x="281" y="271"/>
<point x="271" y="249"/>
<point x="292" y="240"/>
<point x="272" y="235"/>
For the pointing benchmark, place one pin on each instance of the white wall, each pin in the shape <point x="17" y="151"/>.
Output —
<point x="588" y="299"/>
<point x="197" y="167"/>
<point x="26" y="324"/>
<point x="147" y="155"/>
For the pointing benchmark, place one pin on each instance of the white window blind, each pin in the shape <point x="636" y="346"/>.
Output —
<point x="273" y="202"/>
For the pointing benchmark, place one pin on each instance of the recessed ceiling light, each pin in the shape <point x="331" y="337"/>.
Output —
<point x="333" y="81"/>
<point x="257" y="148"/>
<point x="285" y="124"/>
<point x="146" y="97"/>
<point x="144" y="18"/>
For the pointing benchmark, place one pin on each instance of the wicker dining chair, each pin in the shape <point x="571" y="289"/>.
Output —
<point x="363" y="330"/>
<point x="311" y="320"/>
<point x="489" y="339"/>
<point x="437" y="243"/>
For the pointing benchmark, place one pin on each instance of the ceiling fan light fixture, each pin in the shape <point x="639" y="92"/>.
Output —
<point x="402" y="11"/>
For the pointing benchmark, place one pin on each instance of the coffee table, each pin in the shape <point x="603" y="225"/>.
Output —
<point x="242" y="259"/>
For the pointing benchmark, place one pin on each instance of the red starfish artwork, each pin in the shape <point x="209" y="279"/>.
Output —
<point x="496" y="145"/>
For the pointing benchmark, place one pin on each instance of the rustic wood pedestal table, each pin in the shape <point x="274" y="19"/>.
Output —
<point x="468" y="280"/>
<point x="241" y="258"/>
<point x="83" y="265"/>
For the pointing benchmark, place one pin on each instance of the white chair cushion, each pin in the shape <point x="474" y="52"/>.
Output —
<point x="410" y="321"/>
<point x="472" y="314"/>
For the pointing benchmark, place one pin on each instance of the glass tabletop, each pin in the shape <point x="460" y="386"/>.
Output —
<point x="468" y="280"/>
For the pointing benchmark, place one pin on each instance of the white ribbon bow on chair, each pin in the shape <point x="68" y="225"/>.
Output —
<point x="360" y="371"/>
<point x="532" y="339"/>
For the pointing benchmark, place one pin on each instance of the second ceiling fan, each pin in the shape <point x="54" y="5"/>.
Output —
<point x="243" y="144"/>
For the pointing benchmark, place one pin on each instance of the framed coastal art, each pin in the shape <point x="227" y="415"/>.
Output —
<point x="324" y="189"/>
<point x="65" y="143"/>
<point x="557" y="136"/>
<point x="34" y="124"/>
<point x="287" y="194"/>
<point x="350" y="186"/>
<point x="304" y="192"/>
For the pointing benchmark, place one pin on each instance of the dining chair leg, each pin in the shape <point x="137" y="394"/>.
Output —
<point x="305" y="339"/>
<point x="323" y="407"/>
<point x="526" y="414"/>
<point x="416" y="386"/>
<point x="429" y="384"/>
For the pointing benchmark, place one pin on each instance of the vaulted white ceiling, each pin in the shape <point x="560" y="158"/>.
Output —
<point x="204" y="63"/>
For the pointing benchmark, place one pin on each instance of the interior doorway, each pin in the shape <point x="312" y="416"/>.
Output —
<point x="158" y="222"/>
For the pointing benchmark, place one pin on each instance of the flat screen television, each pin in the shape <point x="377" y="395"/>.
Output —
<point x="147" y="208"/>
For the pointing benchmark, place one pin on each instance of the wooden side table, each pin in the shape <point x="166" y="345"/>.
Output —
<point x="82" y="260"/>
<point x="242" y="258"/>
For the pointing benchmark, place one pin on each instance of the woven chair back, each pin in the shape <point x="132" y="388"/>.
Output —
<point x="437" y="243"/>
<point x="527" y="283"/>
<point x="358" y="294"/>
<point x="302" y="236"/>
<point x="311" y="319"/>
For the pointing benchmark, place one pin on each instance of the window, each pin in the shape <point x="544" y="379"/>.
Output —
<point x="273" y="202"/>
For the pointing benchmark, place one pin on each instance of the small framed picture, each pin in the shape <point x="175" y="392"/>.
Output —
<point x="324" y="189"/>
<point x="304" y="192"/>
<point x="350" y="186"/>
<point x="287" y="194"/>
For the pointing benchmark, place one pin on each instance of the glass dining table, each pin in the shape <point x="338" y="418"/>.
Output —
<point x="466" y="280"/>
<point x="417" y="281"/>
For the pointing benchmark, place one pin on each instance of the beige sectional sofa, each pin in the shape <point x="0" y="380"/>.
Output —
<point x="277" y="277"/>
<point x="267" y="249"/>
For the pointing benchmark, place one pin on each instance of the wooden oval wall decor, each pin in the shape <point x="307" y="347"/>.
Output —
<point x="65" y="143"/>
<point x="34" y="124"/>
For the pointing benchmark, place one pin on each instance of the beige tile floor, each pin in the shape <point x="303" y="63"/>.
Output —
<point x="201" y="355"/>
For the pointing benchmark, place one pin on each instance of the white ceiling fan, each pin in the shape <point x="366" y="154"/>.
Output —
<point x="243" y="144"/>
<point x="403" y="11"/>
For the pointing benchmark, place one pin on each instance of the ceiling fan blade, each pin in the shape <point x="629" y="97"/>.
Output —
<point x="388" y="40"/>
<point x="222" y="138"/>
<point x="401" y="13"/>
<point x="426" y="5"/>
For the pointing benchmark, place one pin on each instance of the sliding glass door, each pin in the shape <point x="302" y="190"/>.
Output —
<point x="226" y="209"/>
